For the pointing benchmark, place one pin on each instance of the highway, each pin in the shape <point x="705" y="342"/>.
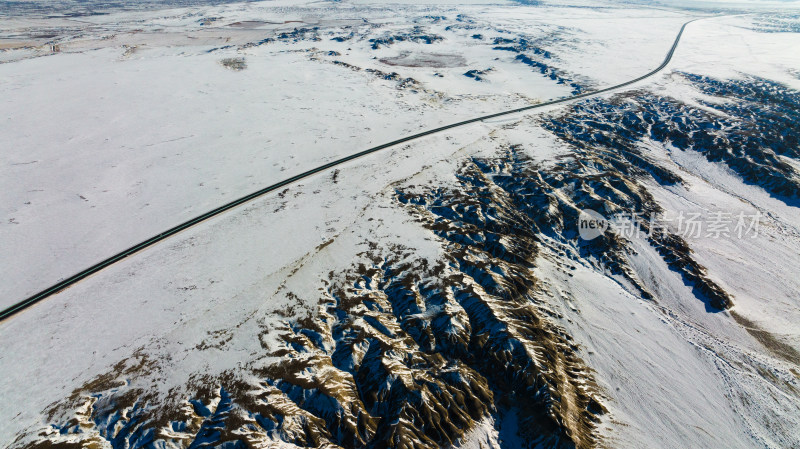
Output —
<point x="30" y="301"/>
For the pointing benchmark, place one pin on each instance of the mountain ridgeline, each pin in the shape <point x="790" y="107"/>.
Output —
<point x="406" y="352"/>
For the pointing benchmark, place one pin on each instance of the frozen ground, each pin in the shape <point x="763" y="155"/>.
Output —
<point x="133" y="124"/>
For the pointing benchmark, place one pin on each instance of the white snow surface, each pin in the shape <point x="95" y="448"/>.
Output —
<point x="134" y="126"/>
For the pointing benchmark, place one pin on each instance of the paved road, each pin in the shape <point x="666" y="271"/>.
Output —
<point x="18" y="307"/>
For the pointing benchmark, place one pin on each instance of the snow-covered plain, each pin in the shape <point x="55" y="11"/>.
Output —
<point x="134" y="125"/>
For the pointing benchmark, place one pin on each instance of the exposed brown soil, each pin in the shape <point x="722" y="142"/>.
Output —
<point x="434" y="60"/>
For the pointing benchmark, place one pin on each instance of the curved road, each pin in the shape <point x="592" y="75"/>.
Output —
<point x="18" y="307"/>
